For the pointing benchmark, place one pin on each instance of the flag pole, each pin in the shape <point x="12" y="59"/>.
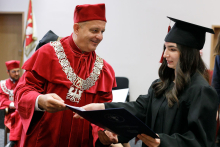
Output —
<point x="26" y="25"/>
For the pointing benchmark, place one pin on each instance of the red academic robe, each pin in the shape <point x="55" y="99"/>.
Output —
<point x="12" y="119"/>
<point x="44" y="75"/>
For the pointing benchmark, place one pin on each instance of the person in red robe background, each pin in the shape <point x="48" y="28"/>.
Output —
<point x="12" y="119"/>
<point x="65" y="72"/>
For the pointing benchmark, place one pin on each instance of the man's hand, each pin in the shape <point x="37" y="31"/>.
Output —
<point x="107" y="137"/>
<point x="51" y="103"/>
<point x="149" y="141"/>
<point x="92" y="106"/>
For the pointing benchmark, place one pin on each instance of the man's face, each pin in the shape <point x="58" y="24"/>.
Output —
<point x="89" y="34"/>
<point x="14" y="74"/>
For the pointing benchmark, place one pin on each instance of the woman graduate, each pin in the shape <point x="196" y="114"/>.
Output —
<point x="180" y="106"/>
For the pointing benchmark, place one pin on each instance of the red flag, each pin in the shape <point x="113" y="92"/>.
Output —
<point x="29" y="33"/>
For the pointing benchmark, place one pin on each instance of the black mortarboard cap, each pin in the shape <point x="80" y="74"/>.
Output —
<point x="49" y="36"/>
<point x="187" y="34"/>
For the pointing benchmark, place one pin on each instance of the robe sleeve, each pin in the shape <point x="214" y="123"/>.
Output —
<point x="137" y="108"/>
<point x="25" y="93"/>
<point x="216" y="76"/>
<point x="16" y="127"/>
<point x="4" y="100"/>
<point x="201" y="122"/>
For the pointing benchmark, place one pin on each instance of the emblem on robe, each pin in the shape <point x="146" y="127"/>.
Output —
<point x="74" y="94"/>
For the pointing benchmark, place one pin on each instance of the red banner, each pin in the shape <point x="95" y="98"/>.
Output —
<point x="29" y="37"/>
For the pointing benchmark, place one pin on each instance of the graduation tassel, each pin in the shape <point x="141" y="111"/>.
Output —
<point x="161" y="59"/>
<point x="169" y="28"/>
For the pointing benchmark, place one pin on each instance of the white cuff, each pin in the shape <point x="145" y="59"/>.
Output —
<point x="36" y="105"/>
<point x="12" y="105"/>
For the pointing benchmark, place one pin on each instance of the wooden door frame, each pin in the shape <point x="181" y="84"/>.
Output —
<point x="212" y="61"/>
<point x="23" y="33"/>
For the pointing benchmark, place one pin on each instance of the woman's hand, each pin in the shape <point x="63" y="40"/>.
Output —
<point x="149" y="141"/>
<point x="92" y="106"/>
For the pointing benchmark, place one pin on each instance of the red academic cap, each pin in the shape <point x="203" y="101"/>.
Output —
<point x="88" y="12"/>
<point x="12" y="64"/>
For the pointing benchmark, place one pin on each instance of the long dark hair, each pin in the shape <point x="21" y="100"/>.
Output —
<point x="217" y="47"/>
<point x="189" y="63"/>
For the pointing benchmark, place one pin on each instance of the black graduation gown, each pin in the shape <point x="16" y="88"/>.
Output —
<point x="191" y="123"/>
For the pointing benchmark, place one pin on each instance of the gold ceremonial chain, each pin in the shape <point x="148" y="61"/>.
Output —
<point x="79" y="84"/>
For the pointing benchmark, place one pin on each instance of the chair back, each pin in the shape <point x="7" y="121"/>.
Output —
<point x="2" y="118"/>
<point x="122" y="82"/>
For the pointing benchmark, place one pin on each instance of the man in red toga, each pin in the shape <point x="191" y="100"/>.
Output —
<point x="7" y="101"/>
<point x="65" y="72"/>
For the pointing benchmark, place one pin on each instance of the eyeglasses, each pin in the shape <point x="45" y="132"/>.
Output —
<point x="14" y="71"/>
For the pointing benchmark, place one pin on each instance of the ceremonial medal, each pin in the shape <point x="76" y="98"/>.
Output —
<point x="78" y="84"/>
<point x="74" y="94"/>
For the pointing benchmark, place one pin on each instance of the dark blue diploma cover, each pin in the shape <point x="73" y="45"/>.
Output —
<point x="116" y="120"/>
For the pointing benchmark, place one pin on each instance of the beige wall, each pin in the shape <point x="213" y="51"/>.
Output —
<point x="134" y="33"/>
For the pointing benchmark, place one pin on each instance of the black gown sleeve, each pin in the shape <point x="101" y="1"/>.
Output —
<point x="137" y="108"/>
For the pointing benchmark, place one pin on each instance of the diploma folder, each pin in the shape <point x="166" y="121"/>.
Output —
<point x="117" y="120"/>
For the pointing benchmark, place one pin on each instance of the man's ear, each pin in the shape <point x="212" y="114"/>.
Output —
<point x="76" y="28"/>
